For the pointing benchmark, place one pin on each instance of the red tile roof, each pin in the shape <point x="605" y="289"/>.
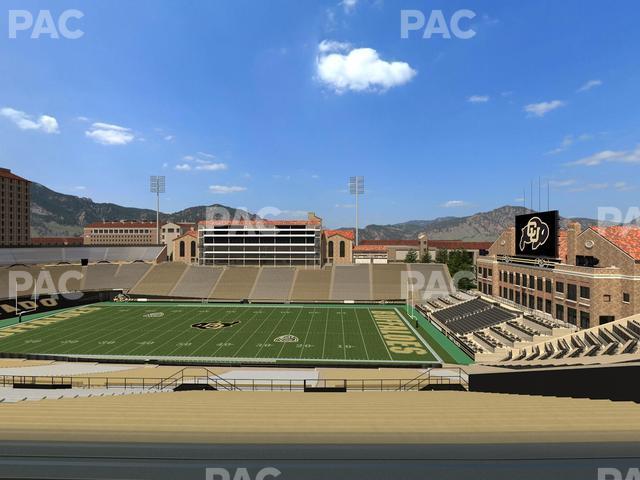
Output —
<point x="124" y="224"/>
<point x="392" y="243"/>
<point x="223" y="223"/>
<point x="370" y="249"/>
<point x="188" y="233"/>
<point x="626" y="238"/>
<point x="455" y="244"/>
<point x="6" y="173"/>
<point x="343" y="233"/>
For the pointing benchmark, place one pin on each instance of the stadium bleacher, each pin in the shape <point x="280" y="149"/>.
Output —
<point x="100" y="276"/>
<point x="312" y="285"/>
<point x="273" y="283"/>
<point x="54" y="255"/>
<point x="196" y="282"/>
<point x="235" y="283"/>
<point x="351" y="282"/>
<point x="387" y="281"/>
<point x="475" y="314"/>
<point x="160" y="279"/>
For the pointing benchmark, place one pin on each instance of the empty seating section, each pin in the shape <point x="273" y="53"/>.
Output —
<point x="475" y="314"/>
<point x="160" y="279"/>
<point x="101" y="276"/>
<point x="54" y="255"/>
<point x="67" y="278"/>
<point x="351" y="283"/>
<point x="312" y="285"/>
<point x="273" y="283"/>
<point x="387" y="281"/>
<point x="130" y="273"/>
<point x="236" y="283"/>
<point x="433" y="279"/>
<point x="197" y="282"/>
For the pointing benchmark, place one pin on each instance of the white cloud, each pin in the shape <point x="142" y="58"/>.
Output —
<point x="109" y="134"/>
<point x="361" y="69"/>
<point x="206" y="155"/>
<point x="225" y="189"/>
<point x="620" y="156"/>
<point x="542" y="108"/>
<point x="44" y="123"/>
<point x="590" y="187"/>
<point x="478" y="99"/>
<point x="169" y="138"/>
<point x="344" y="205"/>
<point x="622" y="186"/>
<point x="349" y="5"/>
<point x="183" y="167"/>
<point x="212" y="167"/>
<point x="568" y="141"/>
<point x="455" y="204"/>
<point x="589" y="85"/>
<point x="561" y="183"/>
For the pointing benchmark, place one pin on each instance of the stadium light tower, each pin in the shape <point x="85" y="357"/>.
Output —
<point x="356" y="187"/>
<point x="158" y="187"/>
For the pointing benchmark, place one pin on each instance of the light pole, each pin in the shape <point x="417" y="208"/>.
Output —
<point x="356" y="187"/>
<point x="157" y="187"/>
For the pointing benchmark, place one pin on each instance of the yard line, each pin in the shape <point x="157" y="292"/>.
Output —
<point x="419" y="337"/>
<point x="304" y="343"/>
<point x="364" y="342"/>
<point x="254" y="332"/>
<point x="213" y="338"/>
<point x="270" y="334"/>
<point x="291" y="330"/>
<point x="344" y="338"/>
<point x="324" y="340"/>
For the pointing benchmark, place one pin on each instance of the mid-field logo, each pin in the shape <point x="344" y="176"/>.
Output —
<point x="435" y="24"/>
<point x="25" y="24"/>
<point x="534" y="233"/>
<point x="214" y="325"/>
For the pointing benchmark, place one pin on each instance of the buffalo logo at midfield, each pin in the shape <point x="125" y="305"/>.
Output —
<point x="534" y="233"/>
<point x="213" y="325"/>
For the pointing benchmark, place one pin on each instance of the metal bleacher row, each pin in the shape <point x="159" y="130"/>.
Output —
<point x="472" y="315"/>
<point x="279" y="284"/>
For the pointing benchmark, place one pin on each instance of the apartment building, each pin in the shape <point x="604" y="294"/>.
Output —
<point x="15" y="210"/>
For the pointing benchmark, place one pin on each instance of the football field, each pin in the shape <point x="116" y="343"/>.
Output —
<point x="225" y="333"/>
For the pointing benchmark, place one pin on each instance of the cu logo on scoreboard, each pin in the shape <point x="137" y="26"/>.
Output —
<point x="534" y="233"/>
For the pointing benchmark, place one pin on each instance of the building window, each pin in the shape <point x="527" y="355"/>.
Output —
<point x="511" y="278"/>
<point x="342" y="249"/>
<point x="626" y="298"/>
<point x="572" y="316"/>
<point x="548" y="306"/>
<point x="585" y="292"/>
<point x="524" y="279"/>
<point x="539" y="304"/>
<point x="193" y="249"/>
<point x="331" y="249"/>
<point x="606" y="298"/>
<point x="532" y="282"/>
<point x="517" y="279"/>
<point x="181" y="248"/>
<point x="606" y="319"/>
<point x="559" y="312"/>
<point x="572" y="291"/>
<point x="584" y="320"/>
<point x="559" y="287"/>
<point x="548" y="286"/>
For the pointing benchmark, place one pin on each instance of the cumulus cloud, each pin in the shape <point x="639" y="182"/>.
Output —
<point x="455" y="204"/>
<point x="225" y="189"/>
<point x="605" y="156"/>
<point x="478" y="99"/>
<point x="109" y="134"/>
<point x="589" y="85"/>
<point x="212" y="167"/>
<point x="183" y="167"/>
<point x="359" y="69"/>
<point x="23" y="121"/>
<point x="542" y="108"/>
<point x="201" y="161"/>
<point x="349" y="5"/>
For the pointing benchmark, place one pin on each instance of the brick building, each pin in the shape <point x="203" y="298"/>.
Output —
<point x="337" y="247"/>
<point x="595" y="280"/>
<point x="15" y="210"/>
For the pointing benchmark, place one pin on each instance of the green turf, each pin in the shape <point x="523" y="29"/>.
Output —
<point x="318" y="333"/>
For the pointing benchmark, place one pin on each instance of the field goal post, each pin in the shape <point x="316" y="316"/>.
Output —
<point x="410" y="302"/>
<point x="20" y="313"/>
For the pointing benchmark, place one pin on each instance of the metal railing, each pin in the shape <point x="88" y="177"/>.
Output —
<point x="456" y="377"/>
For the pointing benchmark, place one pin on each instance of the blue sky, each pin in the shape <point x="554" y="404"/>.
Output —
<point x="276" y="103"/>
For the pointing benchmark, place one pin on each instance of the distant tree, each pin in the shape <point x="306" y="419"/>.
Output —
<point x="425" y="257"/>
<point x="442" y="256"/>
<point x="412" y="256"/>
<point x="462" y="261"/>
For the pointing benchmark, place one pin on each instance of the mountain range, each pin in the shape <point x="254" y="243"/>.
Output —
<point x="58" y="214"/>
